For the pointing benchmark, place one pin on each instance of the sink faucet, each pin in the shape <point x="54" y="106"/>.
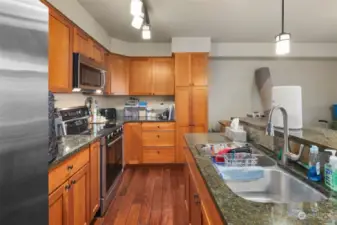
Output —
<point x="270" y="131"/>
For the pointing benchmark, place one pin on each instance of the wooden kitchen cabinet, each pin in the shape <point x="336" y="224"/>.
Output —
<point x="60" y="58"/>
<point x="191" y="69"/>
<point x="58" y="203"/>
<point x="158" y="155"/>
<point x="199" y="105"/>
<point x="119" y="74"/>
<point x="151" y="76"/>
<point x="97" y="52"/>
<point x="182" y="63"/>
<point x="181" y="143"/>
<point x="162" y="76"/>
<point x="140" y="76"/>
<point x="132" y="143"/>
<point x="82" y="43"/>
<point x="79" y="201"/>
<point x="94" y="178"/>
<point x="183" y="105"/>
<point x="195" y="205"/>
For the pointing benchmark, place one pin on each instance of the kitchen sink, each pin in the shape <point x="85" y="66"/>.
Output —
<point x="275" y="186"/>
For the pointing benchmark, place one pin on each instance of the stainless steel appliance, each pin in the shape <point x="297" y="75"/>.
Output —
<point x="76" y="123"/>
<point x="111" y="167"/>
<point x="88" y="76"/>
<point x="23" y="112"/>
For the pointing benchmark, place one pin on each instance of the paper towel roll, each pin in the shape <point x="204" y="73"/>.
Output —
<point x="290" y="98"/>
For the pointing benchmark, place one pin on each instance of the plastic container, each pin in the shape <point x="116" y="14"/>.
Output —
<point x="314" y="173"/>
<point x="236" y="135"/>
<point x="330" y="171"/>
<point x="334" y="112"/>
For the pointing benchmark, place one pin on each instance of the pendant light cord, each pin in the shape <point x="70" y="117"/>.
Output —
<point x="282" y="16"/>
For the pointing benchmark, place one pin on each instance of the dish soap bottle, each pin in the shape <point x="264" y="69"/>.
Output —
<point x="314" y="172"/>
<point x="330" y="170"/>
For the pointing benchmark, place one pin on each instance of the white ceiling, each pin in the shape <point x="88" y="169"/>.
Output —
<point x="222" y="20"/>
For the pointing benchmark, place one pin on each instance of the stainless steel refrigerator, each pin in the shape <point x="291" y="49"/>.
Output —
<point x="23" y="112"/>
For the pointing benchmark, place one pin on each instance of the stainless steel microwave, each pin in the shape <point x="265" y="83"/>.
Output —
<point x="88" y="75"/>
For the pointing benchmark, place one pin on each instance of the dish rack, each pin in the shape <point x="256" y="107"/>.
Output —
<point x="235" y="160"/>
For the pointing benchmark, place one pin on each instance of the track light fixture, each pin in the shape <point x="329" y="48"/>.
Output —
<point x="140" y="18"/>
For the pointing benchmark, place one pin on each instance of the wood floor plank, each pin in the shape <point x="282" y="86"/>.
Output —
<point x="133" y="214"/>
<point x="136" y="183"/>
<point x="145" y="212"/>
<point x="151" y="195"/>
<point x="167" y="205"/>
<point x="179" y="209"/>
<point x="113" y="210"/>
<point x="155" y="217"/>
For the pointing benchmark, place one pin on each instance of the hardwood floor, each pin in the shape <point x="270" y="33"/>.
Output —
<point x="149" y="196"/>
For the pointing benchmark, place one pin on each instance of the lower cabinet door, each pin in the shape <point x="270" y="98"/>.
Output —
<point x="195" y="205"/>
<point x="79" y="200"/>
<point x="58" y="206"/>
<point x="94" y="178"/>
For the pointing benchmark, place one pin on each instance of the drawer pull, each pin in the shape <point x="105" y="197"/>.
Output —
<point x="73" y="182"/>
<point x="158" y="152"/>
<point x="67" y="187"/>
<point x="158" y="136"/>
<point x="70" y="167"/>
<point x="158" y="126"/>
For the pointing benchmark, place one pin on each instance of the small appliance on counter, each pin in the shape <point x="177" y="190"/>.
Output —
<point x="168" y="114"/>
<point x="108" y="113"/>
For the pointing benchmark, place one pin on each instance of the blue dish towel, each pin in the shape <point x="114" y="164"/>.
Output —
<point x="240" y="173"/>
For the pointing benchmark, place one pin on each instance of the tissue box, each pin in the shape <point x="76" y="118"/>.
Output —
<point x="236" y="135"/>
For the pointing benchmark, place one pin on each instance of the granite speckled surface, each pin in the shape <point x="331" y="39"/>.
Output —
<point x="236" y="210"/>
<point x="322" y="137"/>
<point x="70" y="145"/>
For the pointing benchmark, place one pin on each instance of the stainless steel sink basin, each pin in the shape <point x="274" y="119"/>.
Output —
<point x="276" y="186"/>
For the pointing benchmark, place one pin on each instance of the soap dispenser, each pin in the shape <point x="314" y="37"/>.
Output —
<point x="314" y="164"/>
<point x="330" y="170"/>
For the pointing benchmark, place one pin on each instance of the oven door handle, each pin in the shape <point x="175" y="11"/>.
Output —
<point x="120" y="137"/>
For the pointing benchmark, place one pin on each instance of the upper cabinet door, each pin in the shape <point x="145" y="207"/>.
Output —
<point x="182" y="63"/>
<point x="163" y="76"/>
<point x="140" y="76"/>
<point x="119" y="72"/>
<point x="199" y="69"/>
<point x="107" y="89"/>
<point x="60" y="53"/>
<point x="183" y="105"/>
<point x="199" y="107"/>
<point x="97" y="52"/>
<point x="82" y="43"/>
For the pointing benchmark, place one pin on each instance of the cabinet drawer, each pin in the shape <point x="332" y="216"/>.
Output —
<point x="66" y="169"/>
<point x="158" y="155"/>
<point x="158" y="126"/>
<point x="158" y="138"/>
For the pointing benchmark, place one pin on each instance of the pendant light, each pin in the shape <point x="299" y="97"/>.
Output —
<point x="283" y="39"/>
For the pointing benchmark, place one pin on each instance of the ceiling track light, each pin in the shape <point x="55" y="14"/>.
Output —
<point x="136" y="7"/>
<point x="146" y="32"/>
<point x="283" y="39"/>
<point x="137" y="21"/>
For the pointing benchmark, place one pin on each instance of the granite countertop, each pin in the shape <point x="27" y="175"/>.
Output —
<point x="322" y="137"/>
<point x="70" y="145"/>
<point x="236" y="210"/>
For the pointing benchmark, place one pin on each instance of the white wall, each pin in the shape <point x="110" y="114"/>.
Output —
<point x="77" y="99"/>
<point x="232" y="89"/>
<point x="76" y="13"/>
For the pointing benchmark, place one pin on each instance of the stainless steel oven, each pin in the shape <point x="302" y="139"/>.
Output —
<point x="88" y="75"/>
<point x="111" y="167"/>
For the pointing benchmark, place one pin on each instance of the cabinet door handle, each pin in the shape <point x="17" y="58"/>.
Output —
<point x="70" y="167"/>
<point x="158" y="152"/>
<point x="67" y="187"/>
<point x="158" y="136"/>
<point x="158" y="126"/>
<point x="195" y="196"/>
<point x="73" y="182"/>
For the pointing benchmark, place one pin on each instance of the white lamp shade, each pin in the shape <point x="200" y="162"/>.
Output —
<point x="146" y="33"/>
<point x="137" y="22"/>
<point x="136" y="7"/>
<point x="282" y="44"/>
